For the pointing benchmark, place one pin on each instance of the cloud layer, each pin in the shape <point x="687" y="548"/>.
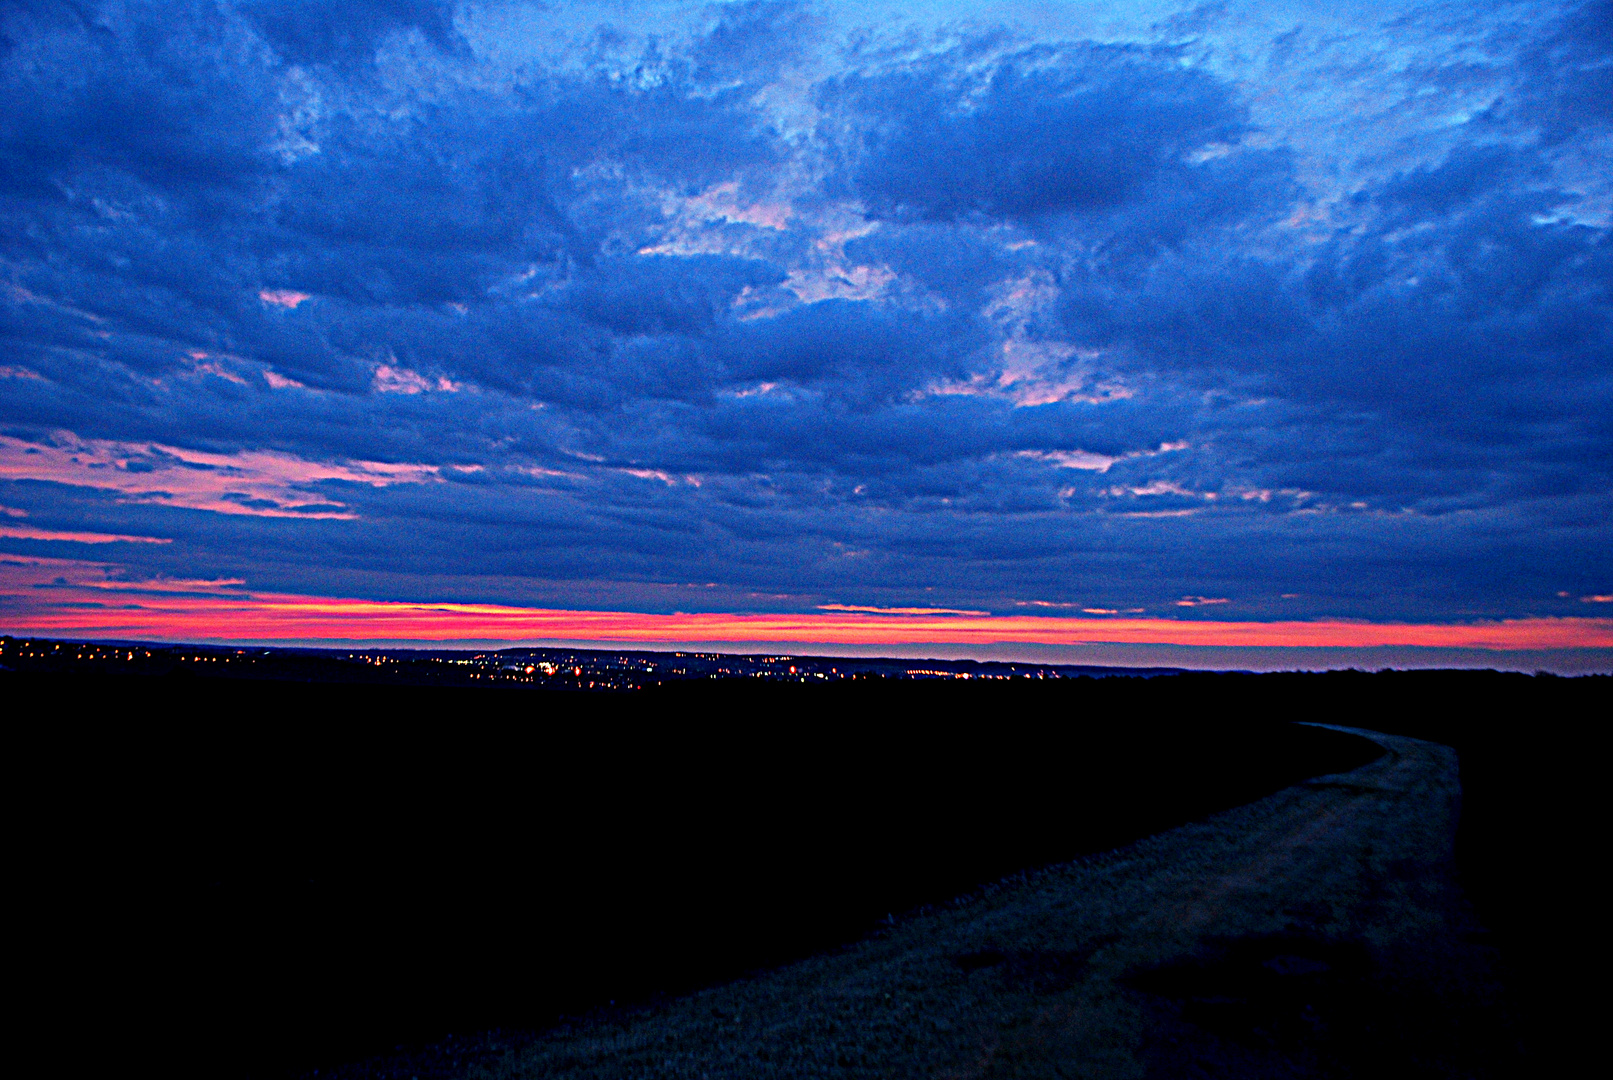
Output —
<point x="753" y="308"/>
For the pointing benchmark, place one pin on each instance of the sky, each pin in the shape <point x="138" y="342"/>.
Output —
<point x="1231" y="333"/>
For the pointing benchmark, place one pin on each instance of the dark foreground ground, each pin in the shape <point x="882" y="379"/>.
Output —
<point x="1316" y="932"/>
<point x="263" y="879"/>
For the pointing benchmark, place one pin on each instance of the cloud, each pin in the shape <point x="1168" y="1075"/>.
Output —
<point x="286" y="298"/>
<point x="756" y="310"/>
<point x="1567" y="83"/>
<point x="267" y="484"/>
<point x="899" y="610"/>
<point x="28" y="532"/>
<point x="753" y="39"/>
<point x="348" y="32"/>
<point x="1042" y="131"/>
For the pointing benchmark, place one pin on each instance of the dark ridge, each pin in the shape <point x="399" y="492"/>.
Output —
<point x="259" y="879"/>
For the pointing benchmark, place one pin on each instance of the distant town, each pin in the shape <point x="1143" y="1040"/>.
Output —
<point x="597" y="670"/>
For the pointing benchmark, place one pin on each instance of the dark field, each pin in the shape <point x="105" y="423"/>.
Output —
<point x="258" y="879"/>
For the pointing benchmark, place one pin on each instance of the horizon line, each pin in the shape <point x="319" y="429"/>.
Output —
<point x="162" y="613"/>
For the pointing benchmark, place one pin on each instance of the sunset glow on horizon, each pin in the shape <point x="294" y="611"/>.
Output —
<point x="222" y="611"/>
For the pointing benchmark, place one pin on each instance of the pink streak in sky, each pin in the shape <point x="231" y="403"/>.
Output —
<point x="220" y="611"/>
<point x="28" y="532"/>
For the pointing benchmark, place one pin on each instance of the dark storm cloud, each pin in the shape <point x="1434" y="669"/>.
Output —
<point x="1568" y="82"/>
<point x="996" y="323"/>
<point x="158" y="101"/>
<point x="1453" y="308"/>
<point x="1043" y="132"/>
<point x="164" y="185"/>
<point x="855" y="350"/>
<point x="348" y="31"/>
<point x="754" y="38"/>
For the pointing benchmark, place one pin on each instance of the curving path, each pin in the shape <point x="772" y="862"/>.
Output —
<point x="1316" y="932"/>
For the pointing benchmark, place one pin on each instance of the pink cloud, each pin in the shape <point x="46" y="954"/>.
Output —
<point x="653" y="474"/>
<point x="197" y="480"/>
<point x="899" y="610"/>
<point x="285" y="298"/>
<point x="27" y="532"/>
<point x="1071" y="459"/>
<point x="391" y="380"/>
<point x="211" y="368"/>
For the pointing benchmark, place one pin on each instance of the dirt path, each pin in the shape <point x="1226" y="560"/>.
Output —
<point x="1317" y="932"/>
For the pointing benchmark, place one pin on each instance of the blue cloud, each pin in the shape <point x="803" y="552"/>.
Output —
<point x="1044" y="131"/>
<point x="347" y="33"/>
<point x="805" y="315"/>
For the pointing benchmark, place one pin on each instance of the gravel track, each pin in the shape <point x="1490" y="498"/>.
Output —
<point x="1316" y="932"/>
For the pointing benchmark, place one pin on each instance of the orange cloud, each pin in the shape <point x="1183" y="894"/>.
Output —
<point x="221" y="611"/>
